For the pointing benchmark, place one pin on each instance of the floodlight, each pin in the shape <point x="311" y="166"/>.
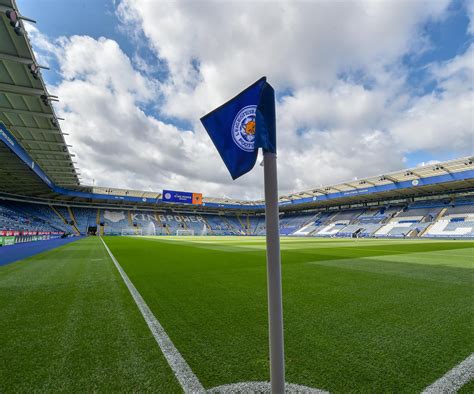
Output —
<point x="44" y="99"/>
<point x="12" y="16"/>
<point x="14" y="19"/>
<point x="34" y="70"/>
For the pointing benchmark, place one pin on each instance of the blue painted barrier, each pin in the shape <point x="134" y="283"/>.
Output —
<point x="10" y="254"/>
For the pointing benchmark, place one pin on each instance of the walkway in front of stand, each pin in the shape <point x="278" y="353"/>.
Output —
<point x="12" y="253"/>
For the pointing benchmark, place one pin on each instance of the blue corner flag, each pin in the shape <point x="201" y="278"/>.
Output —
<point x="242" y="125"/>
<point x="237" y="129"/>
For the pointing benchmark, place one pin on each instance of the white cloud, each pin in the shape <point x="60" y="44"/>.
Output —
<point x="344" y="108"/>
<point x="470" y="13"/>
<point x="444" y="120"/>
<point x="296" y="44"/>
<point x="428" y="163"/>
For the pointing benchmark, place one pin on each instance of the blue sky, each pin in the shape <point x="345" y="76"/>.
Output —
<point x="448" y="37"/>
<point x="95" y="18"/>
<point x="387" y="76"/>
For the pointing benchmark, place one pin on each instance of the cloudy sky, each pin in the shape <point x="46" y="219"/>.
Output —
<point x="362" y="87"/>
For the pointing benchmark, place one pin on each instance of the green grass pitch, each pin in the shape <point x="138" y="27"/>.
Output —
<point x="360" y="315"/>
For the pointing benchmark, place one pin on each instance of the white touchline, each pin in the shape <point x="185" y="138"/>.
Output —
<point x="186" y="378"/>
<point x="457" y="377"/>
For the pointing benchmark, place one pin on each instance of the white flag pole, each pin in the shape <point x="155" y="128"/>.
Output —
<point x="275" y="304"/>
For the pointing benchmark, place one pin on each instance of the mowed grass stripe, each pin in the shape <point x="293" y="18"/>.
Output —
<point x="69" y="324"/>
<point x="346" y="329"/>
<point x="300" y="243"/>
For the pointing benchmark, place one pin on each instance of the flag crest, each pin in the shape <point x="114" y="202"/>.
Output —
<point x="241" y="126"/>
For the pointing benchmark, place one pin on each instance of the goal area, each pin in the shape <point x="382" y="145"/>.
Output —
<point x="184" y="232"/>
<point x="132" y="231"/>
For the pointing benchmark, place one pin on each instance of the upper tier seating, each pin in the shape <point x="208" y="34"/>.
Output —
<point x="115" y="221"/>
<point x="30" y="217"/>
<point x="85" y="218"/>
<point x="463" y="209"/>
<point x="449" y="228"/>
<point x="348" y="215"/>
<point x="430" y="213"/>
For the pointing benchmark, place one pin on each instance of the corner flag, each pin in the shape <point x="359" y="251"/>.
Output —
<point x="237" y="129"/>
<point x="242" y="125"/>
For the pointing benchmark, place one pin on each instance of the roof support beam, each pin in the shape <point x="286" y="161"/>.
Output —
<point x="365" y="181"/>
<point x="44" y="142"/>
<point x="442" y="168"/>
<point x="6" y="87"/>
<point x="63" y="171"/>
<point x="42" y="152"/>
<point x="59" y="174"/>
<point x="17" y="59"/>
<point x="37" y="129"/>
<point x="332" y="188"/>
<point x="388" y="178"/>
<point x="66" y="181"/>
<point x="64" y="161"/>
<point x="65" y="176"/>
<point x="11" y="170"/>
<point x="412" y="173"/>
<point x="319" y="191"/>
<point x="26" y="112"/>
<point x="27" y="187"/>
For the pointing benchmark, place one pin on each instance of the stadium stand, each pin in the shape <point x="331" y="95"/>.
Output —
<point x="85" y="218"/>
<point x="114" y="221"/>
<point x="63" y="213"/>
<point x="352" y="230"/>
<point x="217" y="225"/>
<point x="30" y="217"/>
<point x="455" y="221"/>
<point x="398" y="227"/>
<point x="436" y="218"/>
<point x="332" y="229"/>
<point x="347" y="215"/>
<point x="291" y="223"/>
<point x="236" y="224"/>
<point x="424" y="213"/>
<point x="317" y="223"/>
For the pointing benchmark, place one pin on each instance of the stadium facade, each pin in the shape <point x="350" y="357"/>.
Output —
<point x="41" y="195"/>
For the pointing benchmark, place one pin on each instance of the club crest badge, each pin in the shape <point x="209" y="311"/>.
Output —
<point x="243" y="128"/>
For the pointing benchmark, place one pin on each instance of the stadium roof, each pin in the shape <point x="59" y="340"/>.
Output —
<point x="25" y="103"/>
<point x="412" y="174"/>
<point x="36" y="162"/>
<point x="446" y="177"/>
